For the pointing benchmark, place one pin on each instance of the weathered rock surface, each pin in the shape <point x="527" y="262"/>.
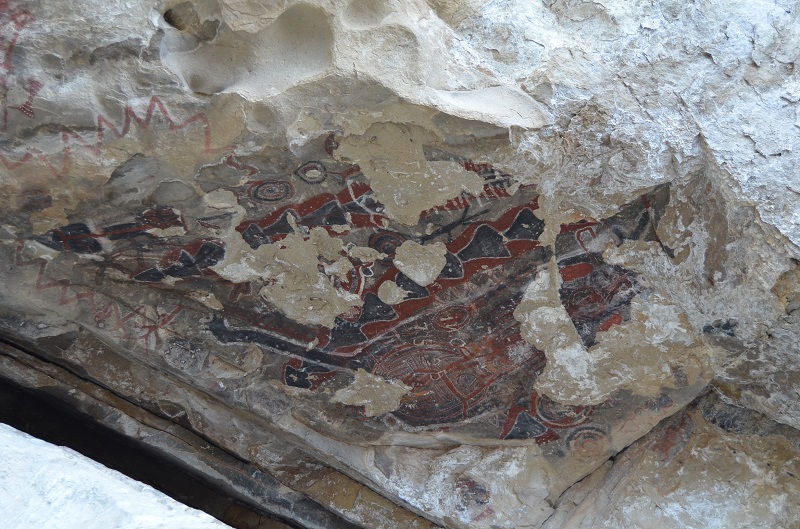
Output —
<point x="45" y="485"/>
<point x="713" y="465"/>
<point x="452" y="256"/>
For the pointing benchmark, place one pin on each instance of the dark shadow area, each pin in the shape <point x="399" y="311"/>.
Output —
<point x="47" y="418"/>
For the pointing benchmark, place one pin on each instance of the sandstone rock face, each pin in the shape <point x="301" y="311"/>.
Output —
<point x="421" y="262"/>
<point x="713" y="465"/>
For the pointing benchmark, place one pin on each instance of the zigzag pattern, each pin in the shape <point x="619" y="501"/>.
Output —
<point x="12" y="22"/>
<point x="122" y="319"/>
<point x="105" y="125"/>
<point x="16" y="20"/>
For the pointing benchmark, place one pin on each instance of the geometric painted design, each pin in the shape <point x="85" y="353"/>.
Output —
<point x="455" y="342"/>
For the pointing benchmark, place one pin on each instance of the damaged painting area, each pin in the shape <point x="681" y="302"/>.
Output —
<point x="462" y="276"/>
<point x="472" y="324"/>
<point x="603" y="327"/>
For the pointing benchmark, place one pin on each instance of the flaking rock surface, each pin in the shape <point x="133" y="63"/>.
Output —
<point x="462" y="252"/>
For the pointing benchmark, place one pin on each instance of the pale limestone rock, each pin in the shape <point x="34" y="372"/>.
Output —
<point x="422" y="264"/>
<point x="289" y="271"/>
<point x="242" y="263"/>
<point x="296" y="287"/>
<point x="251" y="15"/>
<point x="365" y="254"/>
<point x="220" y="199"/>
<point x="376" y="394"/>
<point x="392" y="158"/>
<point x="391" y="293"/>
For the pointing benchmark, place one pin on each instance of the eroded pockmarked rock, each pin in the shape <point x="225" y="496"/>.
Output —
<point x="462" y="253"/>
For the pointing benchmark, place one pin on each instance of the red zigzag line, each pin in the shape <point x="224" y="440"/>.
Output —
<point x="69" y="136"/>
<point x="19" y="19"/>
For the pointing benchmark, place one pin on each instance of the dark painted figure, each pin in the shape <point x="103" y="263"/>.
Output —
<point x="455" y="342"/>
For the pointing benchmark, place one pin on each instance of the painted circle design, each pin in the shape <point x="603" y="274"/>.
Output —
<point x="588" y="441"/>
<point x="386" y="242"/>
<point x="556" y="415"/>
<point x="431" y="370"/>
<point x="272" y="191"/>
<point x="419" y="365"/>
<point x="312" y="172"/>
<point x="452" y="318"/>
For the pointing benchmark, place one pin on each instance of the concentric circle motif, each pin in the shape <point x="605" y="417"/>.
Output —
<point x="555" y="415"/>
<point x="452" y="318"/>
<point x="386" y="242"/>
<point x="272" y="190"/>
<point x="312" y="172"/>
<point x="435" y="371"/>
<point x="588" y="441"/>
<point x="418" y="364"/>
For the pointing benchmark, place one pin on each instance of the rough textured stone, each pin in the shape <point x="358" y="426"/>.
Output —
<point x="44" y="484"/>
<point x="459" y="254"/>
<point x="714" y="465"/>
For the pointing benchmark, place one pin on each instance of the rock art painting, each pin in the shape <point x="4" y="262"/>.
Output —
<point x="454" y="341"/>
<point x="453" y="257"/>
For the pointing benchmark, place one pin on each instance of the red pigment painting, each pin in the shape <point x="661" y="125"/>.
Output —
<point x="455" y="342"/>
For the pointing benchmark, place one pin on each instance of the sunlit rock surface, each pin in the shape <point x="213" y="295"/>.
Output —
<point x="50" y="486"/>
<point x="459" y="253"/>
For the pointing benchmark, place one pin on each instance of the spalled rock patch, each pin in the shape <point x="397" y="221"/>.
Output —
<point x="391" y="293"/>
<point x="422" y="264"/>
<point x="376" y="394"/>
<point x="291" y="272"/>
<point x="391" y="156"/>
